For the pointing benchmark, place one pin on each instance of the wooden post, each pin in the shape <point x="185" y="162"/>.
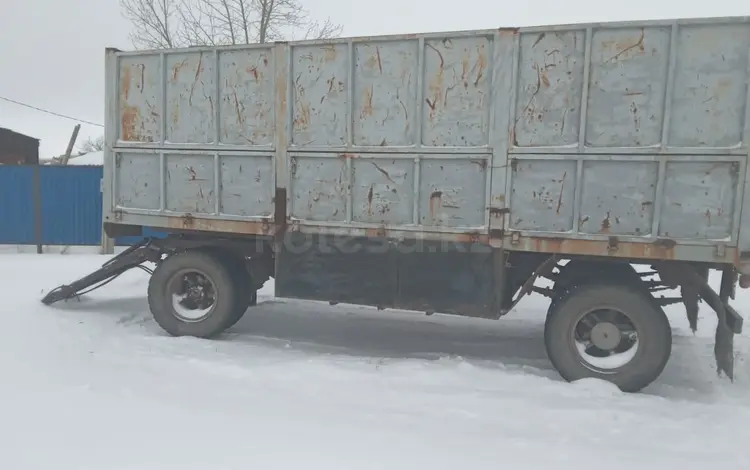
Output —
<point x="71" y="143"/>
<point x="36" y="194"/>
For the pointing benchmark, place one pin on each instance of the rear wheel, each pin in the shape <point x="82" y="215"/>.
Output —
<point x="611" y="332"/>
<point x="192" y="294"/>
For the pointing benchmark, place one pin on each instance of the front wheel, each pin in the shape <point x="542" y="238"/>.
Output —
<point x="608" y="331"/>
<point x="192" y="293"/>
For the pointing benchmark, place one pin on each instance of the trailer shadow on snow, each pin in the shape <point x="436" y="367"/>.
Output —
<point x="512" y="345"/>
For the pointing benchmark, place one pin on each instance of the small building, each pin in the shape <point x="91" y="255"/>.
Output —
<point x="18" y="149"/>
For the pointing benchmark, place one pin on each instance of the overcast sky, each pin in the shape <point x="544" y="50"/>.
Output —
<point x="52" y="51"/>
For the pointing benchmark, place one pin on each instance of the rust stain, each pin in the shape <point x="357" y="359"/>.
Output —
<point x="376" y="232"/>
<point x="435" y="202"/>
<point x="367" y="106"/>
<point x="544" y="78"/>
<point x="480" y="65"/>
<point x="254" y="72"/>
<point x="623" y="49"/>
<point x="176" y="68"/>
<point x="436" y="84"/>
<point x="606" y="224"/>
<point x="129" y="120"/>
<point x="198" y="70"/>
<point x="505" y="32"/>
<point x="329" y="53"/>
<point x="660" y="249"/>
<point x="465" y="70"/>
<point x="189" y="222"/>
<point x="125" y="83"/>
<point x="240" y="118"/>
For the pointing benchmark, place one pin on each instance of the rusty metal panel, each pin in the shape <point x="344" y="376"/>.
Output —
<point x="452" y="192"/>
<point x="627" y="87"/>
<point x="385" y="81"/>
<point x="320" y="83"/>
<point x="617" y="197"/>
<point x="550" y="81"/>
<point x="246" y="101"/>
<point x="137" y="181"/>
<point x="542" y="193"/>
<point x="190" y="184"/>
<point x="710" y="86"/>
<point x="139" y="103"/>
<point x="246" y="186"/>
<point x="699" y="200"/>
<point x="191" y="81"/>
<point x="319" y="188"/>
<point x="457" y="77"/>
<point x="383" y="191"/>
<point x="690" y="199"/>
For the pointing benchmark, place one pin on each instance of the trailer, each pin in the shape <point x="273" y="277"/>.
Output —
<point x="444" y="172"/>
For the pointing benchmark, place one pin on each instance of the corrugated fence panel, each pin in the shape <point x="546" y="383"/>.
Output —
<point x="16" y="205"/>
<point x="71" y="205"/>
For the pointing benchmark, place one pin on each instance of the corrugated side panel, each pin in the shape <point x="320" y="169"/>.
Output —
<point x="71" y="205"/>
<point x="16" y="205"/>
<point x="630" y="131"/>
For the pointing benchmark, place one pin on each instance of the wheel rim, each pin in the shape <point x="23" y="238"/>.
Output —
<point x="605" y="339"/>
<point x="193" y="295"/>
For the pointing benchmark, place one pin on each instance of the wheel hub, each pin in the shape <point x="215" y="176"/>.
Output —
<point x="605" y="336"/>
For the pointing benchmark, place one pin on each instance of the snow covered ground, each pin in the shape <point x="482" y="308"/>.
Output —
<point x="95" y="384"/>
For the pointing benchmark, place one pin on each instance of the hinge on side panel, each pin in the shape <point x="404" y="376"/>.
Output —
<point x="721" y="250"/>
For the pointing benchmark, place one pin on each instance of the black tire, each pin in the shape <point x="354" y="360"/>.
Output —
<point x="650" y="323"/>
<point x="223" y="286"/>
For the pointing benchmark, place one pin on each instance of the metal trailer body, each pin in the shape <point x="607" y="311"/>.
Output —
<point x="613" y="139"/>
<point x="443" y="172"/>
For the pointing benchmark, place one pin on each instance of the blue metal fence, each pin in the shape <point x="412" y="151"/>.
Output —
<point x="71" y="205"/>
<point x="17" y="205"/>
<point x="53" y="205"/>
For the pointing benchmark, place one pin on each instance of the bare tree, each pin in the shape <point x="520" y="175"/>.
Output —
<point x="178" y="23"/>
<point x="155" y="22"/>
<point x="92" y="145"/>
